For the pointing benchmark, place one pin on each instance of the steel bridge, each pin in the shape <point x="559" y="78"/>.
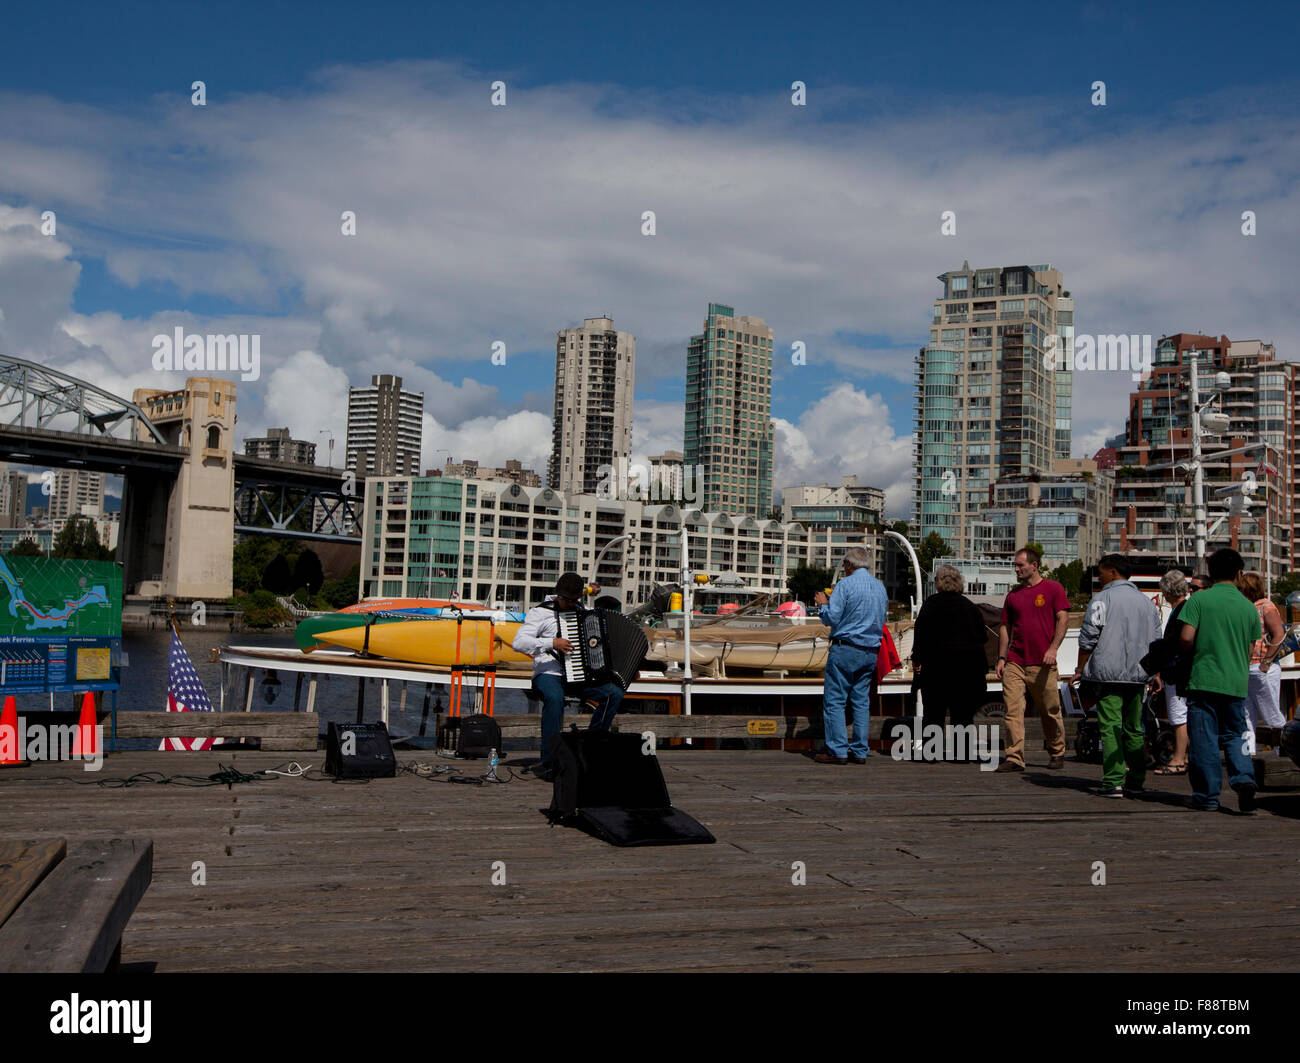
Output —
<point x="53" y="419"/>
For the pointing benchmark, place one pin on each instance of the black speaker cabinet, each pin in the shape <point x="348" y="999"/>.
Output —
<point x="359" y="751"/>
<point x="607" y="785"/>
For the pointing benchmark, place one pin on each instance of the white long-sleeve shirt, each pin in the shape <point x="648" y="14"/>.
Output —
<point x="536" y="635"/>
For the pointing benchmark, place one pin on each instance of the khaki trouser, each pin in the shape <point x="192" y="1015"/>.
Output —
<point x="1041" y="683"/>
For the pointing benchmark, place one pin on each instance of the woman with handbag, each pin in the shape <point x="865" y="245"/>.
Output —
<point x="1173" y="673"/>
<point x="1264" y="696"/>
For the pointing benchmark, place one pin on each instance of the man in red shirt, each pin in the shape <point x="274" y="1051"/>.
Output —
<point x="1034" y="619"/>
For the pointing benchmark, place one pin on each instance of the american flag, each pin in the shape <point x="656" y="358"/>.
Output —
<point x="185" y="693"/>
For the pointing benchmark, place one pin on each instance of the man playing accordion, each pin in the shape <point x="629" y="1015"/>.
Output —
<point x="539" y="638"/>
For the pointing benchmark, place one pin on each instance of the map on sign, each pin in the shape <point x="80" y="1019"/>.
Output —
<point x="62" y="597"/>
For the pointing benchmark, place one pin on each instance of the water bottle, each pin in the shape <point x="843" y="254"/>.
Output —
<point x="492" y="765"/>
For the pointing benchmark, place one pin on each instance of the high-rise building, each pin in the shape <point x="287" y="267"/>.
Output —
<point x="76" y="492"/>
<point x="1151" y="509"/>
<point x="985" y="404"/>
<point x="594" y="371"/>
<point x="1064" y="375"/>
<point x="278" y="446"/>
<point x="385" y="428"/>
<point x="729" y="429"/>
<point x="13" y="497"/>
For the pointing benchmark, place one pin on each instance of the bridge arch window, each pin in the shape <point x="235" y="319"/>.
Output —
<point x="214" y="438"/>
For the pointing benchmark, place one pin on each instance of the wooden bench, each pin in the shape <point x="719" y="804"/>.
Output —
<point x="63" y="909"/>
<point x="277" y="730"/>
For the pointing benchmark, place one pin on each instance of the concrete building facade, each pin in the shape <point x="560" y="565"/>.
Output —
<point x="729" y="429"/>
<point x="488" y="541"/>
<point x="595" y="367"/>
<point x="1066" y="513"/>
<point x="385" y="428"/>
<point x="277" y="445"/>
<point x="76" y="492"/>
<point x="513" y="472"/>
<point x="181" y="531"/>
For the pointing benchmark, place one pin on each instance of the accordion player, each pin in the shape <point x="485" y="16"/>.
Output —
<point x="560" y="668"/>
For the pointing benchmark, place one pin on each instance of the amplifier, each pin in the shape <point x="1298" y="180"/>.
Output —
<point x="359" y="751"/>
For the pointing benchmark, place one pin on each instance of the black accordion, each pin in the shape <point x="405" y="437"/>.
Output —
<point x="607" y="648"/>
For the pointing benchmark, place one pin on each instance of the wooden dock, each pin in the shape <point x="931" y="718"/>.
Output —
<point x="909" y="867"/>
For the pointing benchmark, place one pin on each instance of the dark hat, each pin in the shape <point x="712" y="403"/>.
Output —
<point x="570" y="585"/>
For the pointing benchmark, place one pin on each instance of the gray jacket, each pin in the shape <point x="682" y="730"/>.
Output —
<point x="1119" y="627"/>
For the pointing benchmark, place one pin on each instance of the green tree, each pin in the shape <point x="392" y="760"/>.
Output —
<point x="79" y="540"/>
<point x="26" y="548"/>
<point x="307" y="571"/>
<point x="340" y="593"/>
<point x="1069" y="576"/>
<point x="935" y="546"/>
<point x="262" y="610"/>
<point x="806" y="580"/>
<point x="1036" y="546"/>
<point x="902" y="527"/>
<point x="277" y="577"/>
<point x="1282" y="586"/>
<point x="251" y="556"/>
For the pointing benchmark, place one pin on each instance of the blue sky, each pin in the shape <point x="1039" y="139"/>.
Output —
<point x="479" y="224"/>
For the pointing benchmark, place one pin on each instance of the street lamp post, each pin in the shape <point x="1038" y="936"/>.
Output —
<point x="916" y="569"/>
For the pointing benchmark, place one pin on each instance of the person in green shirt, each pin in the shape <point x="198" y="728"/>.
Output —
<point x="1219" y="626"/>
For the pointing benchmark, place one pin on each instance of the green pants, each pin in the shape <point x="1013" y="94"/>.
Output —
<point x="1123" y="743"/>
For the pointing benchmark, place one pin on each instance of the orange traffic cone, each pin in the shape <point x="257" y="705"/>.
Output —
<point x="86" y="742"/>
<point x="10" y="754"/>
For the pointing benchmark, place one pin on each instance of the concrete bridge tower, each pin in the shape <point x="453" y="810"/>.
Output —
<point x="182" y="532"/>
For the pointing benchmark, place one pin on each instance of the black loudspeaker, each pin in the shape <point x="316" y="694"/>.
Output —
<point x="359" y="751"/>
<point x="607" y="785"/>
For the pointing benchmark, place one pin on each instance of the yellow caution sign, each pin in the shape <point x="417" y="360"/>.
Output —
<point x="760" y="727"/>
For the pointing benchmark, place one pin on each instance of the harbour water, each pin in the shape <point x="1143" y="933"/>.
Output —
<point x="144" y="684"/>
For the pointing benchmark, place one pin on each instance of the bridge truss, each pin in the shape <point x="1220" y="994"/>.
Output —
<point x="33" y="396"/>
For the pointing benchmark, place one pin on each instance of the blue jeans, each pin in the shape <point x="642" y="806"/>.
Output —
<point x="1214" y="722"/>
<point x="848" y="681"/>
<point x="602" y="700"/>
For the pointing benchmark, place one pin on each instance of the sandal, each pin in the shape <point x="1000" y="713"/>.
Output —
<point x="1171" y="769"/>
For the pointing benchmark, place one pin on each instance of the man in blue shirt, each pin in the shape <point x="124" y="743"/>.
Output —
<point x="855" y="613"/>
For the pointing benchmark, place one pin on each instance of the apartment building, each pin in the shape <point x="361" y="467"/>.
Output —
<point x="729" y="429"/>
<point x="385" y="428"/>
<point x="278" y="445"/>
<point x="489" y="541"/>
<point x="986" y="403"/>
<point x="595" y="367"/>
<point x="1151" y="510"/>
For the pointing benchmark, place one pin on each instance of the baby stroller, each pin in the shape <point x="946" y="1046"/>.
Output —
<point x="1159" y="734"/>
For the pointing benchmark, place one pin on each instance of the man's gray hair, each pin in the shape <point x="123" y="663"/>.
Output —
<point x="1173" y="584"/>
<point x="857" y="557"/>
<point x="948" y="578"/>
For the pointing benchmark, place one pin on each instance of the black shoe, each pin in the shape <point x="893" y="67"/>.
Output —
<point x="543" y="771"/>
<point x="857" y="760"/>
<point x="1246" y="797"/>
<point x="1133" y="790"/>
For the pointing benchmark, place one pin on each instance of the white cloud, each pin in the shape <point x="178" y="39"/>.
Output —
<point x="845" y="433"/>
<point x="472" y="227"/>
<point x="525" y="435"/>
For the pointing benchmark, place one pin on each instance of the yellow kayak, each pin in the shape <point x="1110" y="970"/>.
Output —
<point x="430" y="641"/>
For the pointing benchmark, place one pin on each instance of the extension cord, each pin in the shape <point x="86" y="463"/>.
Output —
<point x="468" y="781"/>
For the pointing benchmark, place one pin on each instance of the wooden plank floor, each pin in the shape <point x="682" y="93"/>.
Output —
<point x="910" y="867"/>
